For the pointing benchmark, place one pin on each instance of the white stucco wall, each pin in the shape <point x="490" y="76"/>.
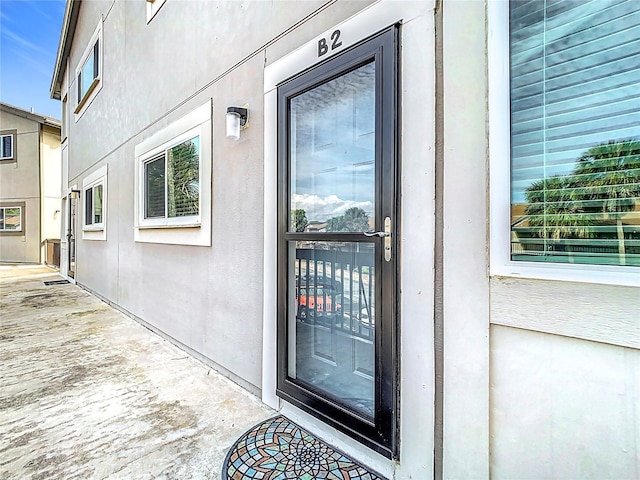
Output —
<point x="207" y="298"/>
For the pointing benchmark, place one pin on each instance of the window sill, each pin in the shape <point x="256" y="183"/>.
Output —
<point x="97" y="228"/>
<point x="599" y="274"/>
<point x="169" y="226"/>
<point x="87" y="95"/>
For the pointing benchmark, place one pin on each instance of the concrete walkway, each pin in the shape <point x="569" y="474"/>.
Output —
<point x="86" y="392"/>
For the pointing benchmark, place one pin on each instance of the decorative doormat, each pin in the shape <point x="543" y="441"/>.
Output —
<point x="278" y="449"/>
<point x="56" y="282"/>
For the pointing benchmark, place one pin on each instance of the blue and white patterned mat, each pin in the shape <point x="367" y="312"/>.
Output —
<point x="278" y="449"/>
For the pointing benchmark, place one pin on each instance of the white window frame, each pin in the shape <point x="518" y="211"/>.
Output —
<point x="95" y="231"/>
<point x="500" y="175"/>
<point x="12" y="136"/>
<point x="97" y="83"/>
<point x="152" y="8"/>
<point x="188" y="230"/>
<point x="162" y="222"/>
<point x="5" y="230"/>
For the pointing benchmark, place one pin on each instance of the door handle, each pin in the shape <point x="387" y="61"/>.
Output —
<point x="386" y="234"/>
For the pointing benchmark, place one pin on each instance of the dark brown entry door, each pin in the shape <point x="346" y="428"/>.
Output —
<point x="337" y="241"/>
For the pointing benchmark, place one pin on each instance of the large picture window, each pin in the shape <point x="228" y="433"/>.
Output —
<point x="575" y="132"/>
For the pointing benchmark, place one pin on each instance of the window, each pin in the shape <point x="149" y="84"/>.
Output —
<point x="11" y="219"/>
<point x="574" y="70"/>
<point x="93" y="205"/>
<point x="8" y="145"/>
<point x="89" y="72"/>
<point x="94" y="201"/>
<point x="173" y="182"/>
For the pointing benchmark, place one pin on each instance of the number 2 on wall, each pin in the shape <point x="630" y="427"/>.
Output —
<point x="323" y="45"/>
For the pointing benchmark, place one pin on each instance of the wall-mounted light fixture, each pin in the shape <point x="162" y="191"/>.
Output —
<point x="236" y="119"/>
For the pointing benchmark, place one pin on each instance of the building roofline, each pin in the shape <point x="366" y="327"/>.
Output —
<point x="64" y="46"/>
<point x="36" y="117"/>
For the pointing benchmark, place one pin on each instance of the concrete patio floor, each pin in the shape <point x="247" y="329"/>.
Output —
<point x="86" y="392"/>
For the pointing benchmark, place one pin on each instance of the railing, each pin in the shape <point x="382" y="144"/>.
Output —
<point x="336" y="290"/>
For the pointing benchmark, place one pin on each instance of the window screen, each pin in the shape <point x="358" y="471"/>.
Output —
<point x="575" y="131"/>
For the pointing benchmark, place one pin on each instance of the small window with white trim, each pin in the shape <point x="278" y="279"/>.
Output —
<point x="11" y="218"/>
<point x="89" y="72"/>
<point x="173" y="182"/>
<point x="572" y="133"/>
<point x="7" y="145"/>
<point x="94" y="202"/>
<point x="93" y="205"/>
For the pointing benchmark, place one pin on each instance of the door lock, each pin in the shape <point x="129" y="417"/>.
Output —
<point x="386" y="234"/>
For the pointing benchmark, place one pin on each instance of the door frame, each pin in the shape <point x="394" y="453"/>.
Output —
<point x="380" y="434"/>
<point x="71" y="228"/>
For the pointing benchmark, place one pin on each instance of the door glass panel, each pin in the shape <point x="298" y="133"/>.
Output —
<point x="331" y="298"/>
<point x="332" y="152"/>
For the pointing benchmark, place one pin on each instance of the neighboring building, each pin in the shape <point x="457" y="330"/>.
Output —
<point x="30" y="169"/>
<point x="430" y="348"/>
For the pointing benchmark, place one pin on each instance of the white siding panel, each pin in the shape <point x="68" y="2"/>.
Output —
<point x="563" y="408"/>
<point x="603" y="313"/>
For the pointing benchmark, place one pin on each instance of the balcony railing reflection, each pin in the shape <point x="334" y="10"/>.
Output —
<point x="336" y="290"/>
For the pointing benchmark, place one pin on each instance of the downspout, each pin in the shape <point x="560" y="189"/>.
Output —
<point x="438" y="300"/>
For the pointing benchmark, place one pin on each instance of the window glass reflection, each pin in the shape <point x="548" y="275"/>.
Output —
<point x="575" y="132"/>
<point x="332" y="321"/>
<point x="332" y="144"/>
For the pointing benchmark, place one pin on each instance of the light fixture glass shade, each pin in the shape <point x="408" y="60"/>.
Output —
<point x="233" y="126"/>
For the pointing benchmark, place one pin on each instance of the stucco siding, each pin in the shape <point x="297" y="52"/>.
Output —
<point x="207" y="298"/>
<point x="20" y="186"/>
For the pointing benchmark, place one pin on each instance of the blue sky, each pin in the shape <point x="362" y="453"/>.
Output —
<point x="29" y="36"/>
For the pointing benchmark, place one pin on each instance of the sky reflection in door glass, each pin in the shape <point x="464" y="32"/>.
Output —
<point x="332" y="141"/>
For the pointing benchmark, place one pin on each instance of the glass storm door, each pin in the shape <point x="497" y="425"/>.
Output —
<point x="71" y="236"/>
<point x="337" y="242"/>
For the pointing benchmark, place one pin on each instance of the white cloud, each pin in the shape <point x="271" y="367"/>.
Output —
<point x="323" y="208"/>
